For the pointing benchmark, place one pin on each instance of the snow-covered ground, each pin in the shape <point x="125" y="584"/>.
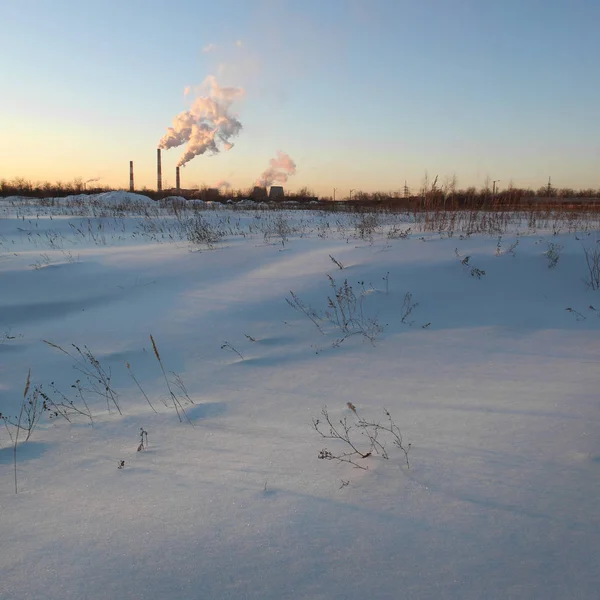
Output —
<point x="493" y="379"/>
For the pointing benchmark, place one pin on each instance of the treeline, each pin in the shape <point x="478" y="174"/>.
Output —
<point x="45" y="189"/>
<point x="429" y="197"/>
<point x="472" y="197"/>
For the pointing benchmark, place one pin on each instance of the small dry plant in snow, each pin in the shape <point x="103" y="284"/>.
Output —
<point x="132" y="375"/>
<point x="345" y="311"/>
<point x="98" y="378"/>
<point x="176" y="399"/>
<point x="510" y="250"/>
<point x="407" y="307"/>
<point x="199" y="230"/>
<point x="27" y="420"/>
<point x="592" y="261"/>
<point x="359" y="438"/>
<point x="227" y="346"/>
<point x="30" y="413"/>
<point x="553" y="254"/>
<point x="475" y="272"/>
<point x="278" y="228"/>
<point x="59" y="405"/>
<point x="143" y="440"/>
<point x="365" y="225"/>
<point x="336" y="262"/>
<point x="395" y="233"/>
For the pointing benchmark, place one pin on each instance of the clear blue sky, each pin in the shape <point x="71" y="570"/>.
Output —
<point x="361" y="94"/>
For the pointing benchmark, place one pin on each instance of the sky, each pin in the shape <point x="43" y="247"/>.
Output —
<point x="361" y="94"/>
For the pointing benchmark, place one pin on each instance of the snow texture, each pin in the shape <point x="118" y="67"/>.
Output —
<point x="492" y="381"/>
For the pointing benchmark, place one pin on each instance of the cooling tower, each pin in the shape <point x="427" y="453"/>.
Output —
<point x="276" y="192"/>
<point x="259" y="193"/>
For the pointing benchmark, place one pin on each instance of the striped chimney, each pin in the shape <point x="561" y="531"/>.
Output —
<point x="158" y="171"/>
<point x="131" y="185"/>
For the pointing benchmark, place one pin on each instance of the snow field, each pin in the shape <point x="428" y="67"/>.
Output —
<point x="492" y="381"/>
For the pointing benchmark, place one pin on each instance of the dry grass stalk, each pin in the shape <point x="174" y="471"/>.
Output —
<point x="178" y="406"/>
<point x="139" y="386"/>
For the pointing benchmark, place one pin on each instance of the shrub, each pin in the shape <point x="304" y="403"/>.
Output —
<point x="360" y="438"/>
<point x="592" y="261"/>
<point x="553" y="254"/>
<point x="199" y="230"/>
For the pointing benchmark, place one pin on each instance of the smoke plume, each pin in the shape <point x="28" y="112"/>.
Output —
<point x="206" y="124"/>
<point x="279" y="170"/>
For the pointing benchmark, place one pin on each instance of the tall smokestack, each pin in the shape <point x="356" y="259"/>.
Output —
<point x="177" y="179"/>
<point x="131" y="186"/>
<point x="158" y="171"/>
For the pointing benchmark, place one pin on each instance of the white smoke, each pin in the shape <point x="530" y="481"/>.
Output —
<point x="222" y="185"/>
<point x="279" y="170"/>
<point x="206" y="124"/>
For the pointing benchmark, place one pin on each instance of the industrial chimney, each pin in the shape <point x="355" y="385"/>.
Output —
<point x="158" y="171"/>
<point x="131" y="186"/>
<point x="177" y="180"/>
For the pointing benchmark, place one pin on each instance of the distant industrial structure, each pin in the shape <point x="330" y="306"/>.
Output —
<point x="259" y="193"/>
<point x="158" y="171"/>
<point x="276" y="192"/>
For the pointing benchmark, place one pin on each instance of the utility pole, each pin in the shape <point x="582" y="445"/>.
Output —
<point x="494" y="189"/>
